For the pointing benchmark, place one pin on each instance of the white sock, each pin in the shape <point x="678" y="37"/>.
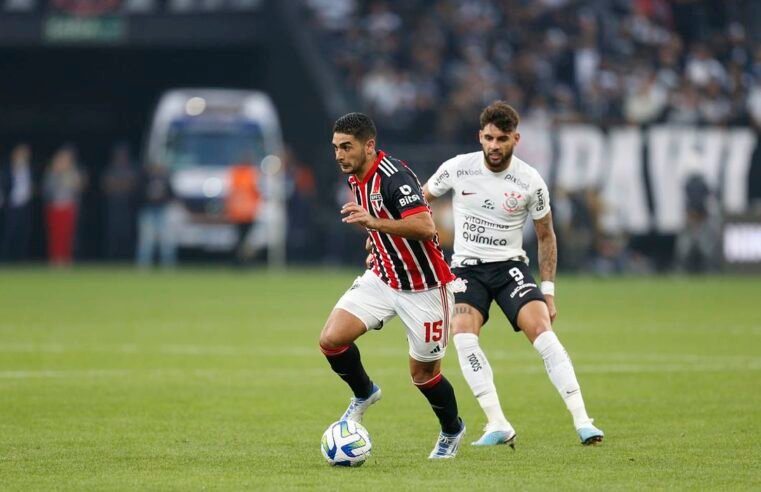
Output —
<point x="478" y="374"/>
<point x="561" y="373"/>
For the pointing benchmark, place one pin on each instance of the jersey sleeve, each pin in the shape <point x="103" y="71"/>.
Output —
<point x="403" y="195"/>
<point x="442" y="179"/>
<point x="539" y="201"/>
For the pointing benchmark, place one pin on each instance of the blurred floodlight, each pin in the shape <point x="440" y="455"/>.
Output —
<point x="271" y="165"/>
<point x="195" y="106"/>
<point x="212" y="187"/>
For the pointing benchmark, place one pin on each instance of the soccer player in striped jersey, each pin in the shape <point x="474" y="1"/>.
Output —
<point x="408" y="277"/>
<point x="495" y="193"/>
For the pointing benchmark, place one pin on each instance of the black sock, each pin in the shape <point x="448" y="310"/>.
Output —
<point x="440" y="395"/>
<point x="347" y="363"/>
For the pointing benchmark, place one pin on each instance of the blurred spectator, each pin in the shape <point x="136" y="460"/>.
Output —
<point x="17" y="190"/>
<point x="242" y="205"/>
<point x="754" y="104"/>
<point x="702" y="68"/>
<point x="715" y="108"/>
<point x="577" y="227"/>
<point x="698" y="245"/>
<point x="154" y="225"/>
<point x="684" y="105"/>
<point x="118" y="184"/>
<point x="62" y="184"/>
<point x="301" y="193"/>
<point x="646" y="100"/>
<point x="344" y="243"/>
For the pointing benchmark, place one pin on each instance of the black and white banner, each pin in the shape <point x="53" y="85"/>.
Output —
<point x="641" y="172"/>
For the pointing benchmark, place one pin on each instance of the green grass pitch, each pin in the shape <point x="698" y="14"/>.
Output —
<point x="210" y="379"/>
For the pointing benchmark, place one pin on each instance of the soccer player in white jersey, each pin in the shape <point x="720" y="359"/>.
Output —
<point x="408" y="277"/>
<point x="494" y="194"/>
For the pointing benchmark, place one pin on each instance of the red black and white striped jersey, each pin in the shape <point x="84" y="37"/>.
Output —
<point x="392" y="191"/>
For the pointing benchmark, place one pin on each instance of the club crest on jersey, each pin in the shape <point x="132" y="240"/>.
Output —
<point x="512" y="202"/>
<point x="376" y="198"/>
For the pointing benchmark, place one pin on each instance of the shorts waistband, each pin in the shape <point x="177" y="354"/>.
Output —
<point x="478" y="261"/>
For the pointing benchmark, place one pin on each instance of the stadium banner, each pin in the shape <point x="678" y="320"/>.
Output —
<point x="741" y="243"/>
<point x="640" y="173"/>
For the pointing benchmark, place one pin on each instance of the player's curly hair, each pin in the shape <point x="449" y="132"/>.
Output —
<point x="501" y="115"/>
<point x="358" y="125"/>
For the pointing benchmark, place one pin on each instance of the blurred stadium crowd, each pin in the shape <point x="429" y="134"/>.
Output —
<point x="124" y="212"/>
<point x="426" y="68"/>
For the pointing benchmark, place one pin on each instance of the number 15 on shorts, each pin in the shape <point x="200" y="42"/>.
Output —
<point x="433" y="331"/>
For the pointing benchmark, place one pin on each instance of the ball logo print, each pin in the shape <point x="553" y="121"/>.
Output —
<point x="346" y="443"/>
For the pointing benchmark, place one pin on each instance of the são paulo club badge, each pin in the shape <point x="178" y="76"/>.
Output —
<point x="376" y="198"/>
<point x="512" y="202"/>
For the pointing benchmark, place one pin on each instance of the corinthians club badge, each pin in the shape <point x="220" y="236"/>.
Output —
<point x="512" y="202"/>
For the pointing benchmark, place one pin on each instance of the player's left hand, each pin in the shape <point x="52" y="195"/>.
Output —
<point x="354" y="214"/>
<point x="551" y="306"/>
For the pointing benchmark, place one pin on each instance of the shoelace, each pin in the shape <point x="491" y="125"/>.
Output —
<point x="355" y="402"/>
<point x="446" y="440"/>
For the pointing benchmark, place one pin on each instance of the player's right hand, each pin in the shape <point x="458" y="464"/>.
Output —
<point x="370" y="261"/>
<point x="551" y="306"/>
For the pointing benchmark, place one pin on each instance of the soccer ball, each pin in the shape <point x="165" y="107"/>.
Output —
<point x="346" y="443"/>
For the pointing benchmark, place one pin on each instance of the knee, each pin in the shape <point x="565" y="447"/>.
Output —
<point x="466" y="320"/>
<point x="340" y="330"/>
<point x="460" y="325"/>
<point x="534" y="319"/>
<point x="423" y="374"/>
<point x="328" y="338"/>
<point x="533" y="330"/>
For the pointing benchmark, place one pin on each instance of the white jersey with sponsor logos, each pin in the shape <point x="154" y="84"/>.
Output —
<point x="490" y="209"/>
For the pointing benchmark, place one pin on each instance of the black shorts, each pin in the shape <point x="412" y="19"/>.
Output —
<point x="508" y="282"/>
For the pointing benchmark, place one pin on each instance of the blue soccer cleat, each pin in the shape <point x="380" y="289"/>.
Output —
<point x="496" y="437"/>
<point x="590" y="435"/>
<point x="447" y="445"/>
<point x="359" y="406"/>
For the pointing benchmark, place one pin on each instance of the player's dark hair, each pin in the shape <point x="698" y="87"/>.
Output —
<point x="358" y="125"/>
<point x="501" y="115"/>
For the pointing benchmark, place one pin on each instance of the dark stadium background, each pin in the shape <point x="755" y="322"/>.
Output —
<point x="97" y="88"/>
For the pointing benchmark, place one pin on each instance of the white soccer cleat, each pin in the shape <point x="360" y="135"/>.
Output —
<point x="447" y="445"/>
<point x="496" y="436"/>
<point x="590" y="435"/>
<point x="359" y="406"/>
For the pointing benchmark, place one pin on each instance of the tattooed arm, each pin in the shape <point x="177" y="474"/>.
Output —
<point x="548" y="256"/>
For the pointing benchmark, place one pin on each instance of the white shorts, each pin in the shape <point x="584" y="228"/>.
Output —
<point x="426" y="315"/>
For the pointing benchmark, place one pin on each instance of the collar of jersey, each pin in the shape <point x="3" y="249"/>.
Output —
<point x="370" y="173"/>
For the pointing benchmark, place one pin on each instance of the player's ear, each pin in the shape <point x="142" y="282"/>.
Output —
<point x="517" y="137"/>
<point x="370" y="145"/>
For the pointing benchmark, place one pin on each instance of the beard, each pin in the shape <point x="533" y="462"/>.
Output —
<point x="348" y="168"/>
<point x="502" y="163"/>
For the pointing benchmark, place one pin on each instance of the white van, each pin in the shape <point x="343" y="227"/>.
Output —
<point x="199" y="134"/>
